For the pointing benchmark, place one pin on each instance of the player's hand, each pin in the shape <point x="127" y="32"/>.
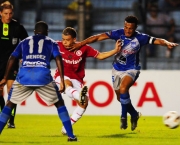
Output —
<point x="75" y="46"/>
<point x="118" y="45"/>
<point x="62" y="87"/>
<point x="2" y="83"/>
<point x="170" y="45"/>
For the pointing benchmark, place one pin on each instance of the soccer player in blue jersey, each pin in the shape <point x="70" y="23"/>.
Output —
<point x="36" y="53"/>
<point x="126" y="67"/>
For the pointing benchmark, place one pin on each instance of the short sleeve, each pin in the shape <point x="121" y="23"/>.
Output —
<point x="18" y="51"/>
<point x="91" y="52"/>
<point x="55" y="50"/>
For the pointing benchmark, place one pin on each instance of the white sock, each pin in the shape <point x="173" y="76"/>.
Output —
<point x="73" y="93"/>
<point x="77" y="114"/>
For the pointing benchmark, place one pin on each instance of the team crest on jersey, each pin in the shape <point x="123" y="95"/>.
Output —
<point x="79" y="53"/>
<point x="133" y="44"/>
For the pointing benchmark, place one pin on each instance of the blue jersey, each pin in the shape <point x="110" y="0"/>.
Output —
<point x="36" y="53"/>
<point x="128" y="57"/>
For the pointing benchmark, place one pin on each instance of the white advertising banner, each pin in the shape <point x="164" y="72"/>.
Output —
<point x="154" y="93"/>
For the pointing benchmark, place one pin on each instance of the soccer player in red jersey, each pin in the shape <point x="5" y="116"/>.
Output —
<point x="74" y="70"/>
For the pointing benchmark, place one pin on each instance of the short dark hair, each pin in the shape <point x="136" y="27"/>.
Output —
<point x="132" y="19"/>
<point x="6" y="5"/>
<point x="70" y="31"/>
<point x="41" y="28"/>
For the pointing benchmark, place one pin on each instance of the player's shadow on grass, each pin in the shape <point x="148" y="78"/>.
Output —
<point x="117" y="135"/>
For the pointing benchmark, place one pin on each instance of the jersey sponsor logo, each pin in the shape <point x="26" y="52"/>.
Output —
<point x="130" y="48"/>
<point x="128" y="51"/>
<point x="72" y="61"/>
<point x="36" y="57"/>
<point x="34" y="63"/>
<point x="79" y="53"/>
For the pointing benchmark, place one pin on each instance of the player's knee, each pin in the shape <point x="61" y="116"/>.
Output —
<point x="123" y="89"/>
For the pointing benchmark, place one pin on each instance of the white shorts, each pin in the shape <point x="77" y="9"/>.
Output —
<point x="118" y="75"/>
<point x="76" y="84"/>
<point x="48" y="93"/>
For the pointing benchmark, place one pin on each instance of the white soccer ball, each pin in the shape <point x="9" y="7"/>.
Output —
<point x="171" y="119"/>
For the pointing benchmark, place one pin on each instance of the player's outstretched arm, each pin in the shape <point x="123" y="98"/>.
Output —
<point x="60" y="67"/>
<point x="164" y="42"/>
<point x="104" y="55"/>
<point x="91" y="39"/>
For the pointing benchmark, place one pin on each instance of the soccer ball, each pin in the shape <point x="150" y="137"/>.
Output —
<point x="171" y="119"/>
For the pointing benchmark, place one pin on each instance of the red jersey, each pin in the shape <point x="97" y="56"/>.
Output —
<point x="74" y="62"/>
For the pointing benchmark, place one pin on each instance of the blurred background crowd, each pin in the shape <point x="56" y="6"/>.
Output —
<point x="159" y="18"/>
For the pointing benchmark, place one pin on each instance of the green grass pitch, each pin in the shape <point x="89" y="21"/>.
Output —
<point x="90" y="130"/>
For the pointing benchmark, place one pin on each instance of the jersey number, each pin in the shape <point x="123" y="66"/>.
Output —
<point x="40" y="45"/>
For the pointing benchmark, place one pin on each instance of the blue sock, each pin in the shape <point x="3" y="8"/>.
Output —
<point x="131" y="110"/>
<point x="124" y="99"/>
<point x="64" y="116"/>
<point x="4" y="117"/>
